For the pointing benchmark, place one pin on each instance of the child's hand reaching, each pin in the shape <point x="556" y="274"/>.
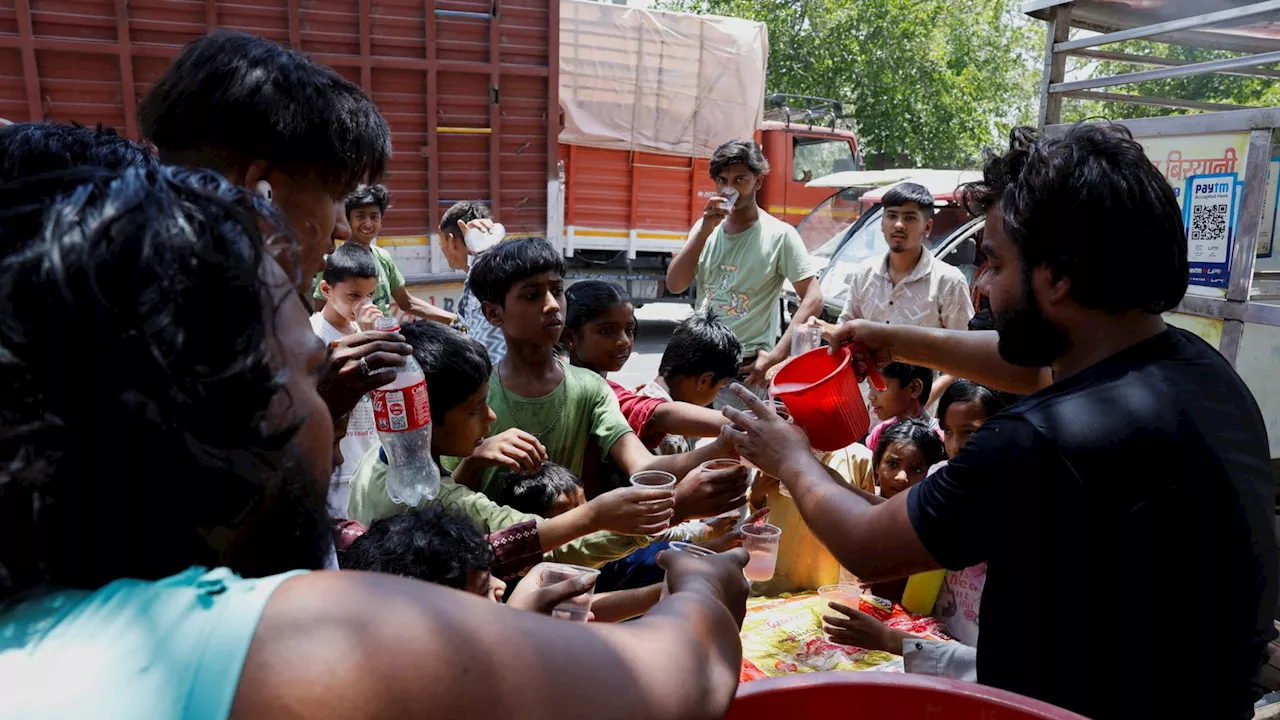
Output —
<point x="731" y="537"/>
<point x="862" y="630"/>
<point x="632" y="510"/>
<point x="513" y="448"/>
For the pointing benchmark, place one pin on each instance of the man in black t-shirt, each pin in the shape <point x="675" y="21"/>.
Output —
<point x="1126" y="508"/>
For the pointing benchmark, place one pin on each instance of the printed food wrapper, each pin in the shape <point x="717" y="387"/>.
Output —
<point x="784" y="635"/>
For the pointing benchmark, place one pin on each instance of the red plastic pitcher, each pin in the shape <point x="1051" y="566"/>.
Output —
<point x="823" y="695"/>
<point x="821" y="392"/>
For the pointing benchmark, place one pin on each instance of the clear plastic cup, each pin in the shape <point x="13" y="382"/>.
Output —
<point x="726" y="464"/>
<point x="805" y="338"/>
<point x="729" y="198"/>
<point x="846" y="595"/>
<point x="654" y="480"/>
<point x="695" y="550"/>
<point x="761" y="542"/>
<point x="576" y="608"/>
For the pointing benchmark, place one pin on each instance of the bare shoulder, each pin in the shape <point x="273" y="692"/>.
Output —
<point x="315" y="650"/>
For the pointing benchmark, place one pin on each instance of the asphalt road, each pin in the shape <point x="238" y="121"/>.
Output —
<point x="656" y="321"/>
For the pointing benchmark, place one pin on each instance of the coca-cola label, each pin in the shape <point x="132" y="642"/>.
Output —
<point x="402" y="409"/>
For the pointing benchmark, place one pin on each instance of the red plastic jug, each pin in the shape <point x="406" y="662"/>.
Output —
<point x="824" y="695"/>
<point x="821" y="392"/>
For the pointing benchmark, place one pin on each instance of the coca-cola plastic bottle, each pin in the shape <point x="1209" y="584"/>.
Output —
<point x="402" y="416"/>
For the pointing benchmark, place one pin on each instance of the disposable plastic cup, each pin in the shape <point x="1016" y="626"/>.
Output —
<point x="805" y="338"/>
<point x="727" y="464"/>
<point x="575" y="609"/>
<point x="695" y="550"/>
<point x="846" y="595"/>
<point x="761" y="542"/>
<point x="729" y="198"/>
<point x="654" y="480"/>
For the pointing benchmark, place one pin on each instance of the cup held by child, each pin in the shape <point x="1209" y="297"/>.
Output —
<point x="577" y="608"/>
<point x="761" y="542"/>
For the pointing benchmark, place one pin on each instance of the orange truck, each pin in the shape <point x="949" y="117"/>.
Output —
<point x="646" y="97"/>
<point x="588" y="123"/>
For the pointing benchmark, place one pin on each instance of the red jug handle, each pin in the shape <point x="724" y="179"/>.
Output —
<point x="873" y="372"/>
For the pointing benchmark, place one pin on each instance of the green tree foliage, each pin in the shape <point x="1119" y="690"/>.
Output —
<point x="1218" y="88"/>
<point x="929" y="82"/>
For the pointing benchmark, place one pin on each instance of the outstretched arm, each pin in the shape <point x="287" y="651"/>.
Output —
<point x="440" y="652"/>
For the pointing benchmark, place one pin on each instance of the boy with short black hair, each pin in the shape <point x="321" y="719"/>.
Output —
<point x="521" y="286"/>
<point x="700" y="358"/>
<point x="365" y="210"/>
<point x="548" y="491"/>
<point x="457" y="371"/>
<point x="435" y="545"/>
<point x="349" y="281"/>
<point x="906" y="389"/>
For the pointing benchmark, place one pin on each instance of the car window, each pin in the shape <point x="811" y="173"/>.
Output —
<point x="965" y="252"/>
<point x="814" y="157"/>
<point x="825" y="225"/>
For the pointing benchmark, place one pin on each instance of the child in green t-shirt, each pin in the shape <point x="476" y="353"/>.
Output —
<point x="520" y="285"/>
<point x="457" y="370"/>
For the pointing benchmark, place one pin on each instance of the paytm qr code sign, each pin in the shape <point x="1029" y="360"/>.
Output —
<point x="1209" y="219"/>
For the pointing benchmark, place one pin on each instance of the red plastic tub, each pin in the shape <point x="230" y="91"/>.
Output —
<point x="882" y="696"/>
<point x="821" y="392"/>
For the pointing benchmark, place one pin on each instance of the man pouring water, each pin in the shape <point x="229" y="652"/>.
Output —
<point x="1125" y="509"/>
<point x="740" y="255"/>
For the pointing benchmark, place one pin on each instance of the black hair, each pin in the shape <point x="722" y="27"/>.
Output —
<point x="507" y="263"/>
<point x="1089" y="205"/>
<point x="454" y="364"/>
<point x="367" y="196"/>
<point x="181" y="389"/>
<point x="701" y="344"/>
<point x="963" y="391"/>
<point x="348" y="261"/>
<point x="234" y="98"/>
<point x="534" y="493"/>
<point x="465" y="211"/>
<point x="912" y="431"/>
<point x="435" y="544"/>
<point x="589" y="299"/>
<point x="739" y="151"/>
<point x="984" y="319"/>
<point x="909" y="192"/>
<point x="905" y="373"/>
<point x="29" y="151"/>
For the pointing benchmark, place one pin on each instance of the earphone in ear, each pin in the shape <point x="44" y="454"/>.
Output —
<point x="264" y="189"/>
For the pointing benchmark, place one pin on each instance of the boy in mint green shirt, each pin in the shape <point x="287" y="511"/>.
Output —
<point x="365" y="210"/>
<point x="740" y="256"/>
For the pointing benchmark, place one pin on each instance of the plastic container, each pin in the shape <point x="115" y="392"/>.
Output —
<point x="477" y="240"/>
<point x="805" y="338"/>
<point x="821" y="391"/>
<point x="761" y="542"/>
<point x="576" y="608"/>
<point x="820" y="696"/>
<point x="922" y="591"/>
<point x="402" y="417"/>
<point x="695" y="550"/>
<point x="729" y="198"/>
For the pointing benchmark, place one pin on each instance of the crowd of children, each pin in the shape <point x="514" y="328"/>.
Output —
<point x="536" y="442"/>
